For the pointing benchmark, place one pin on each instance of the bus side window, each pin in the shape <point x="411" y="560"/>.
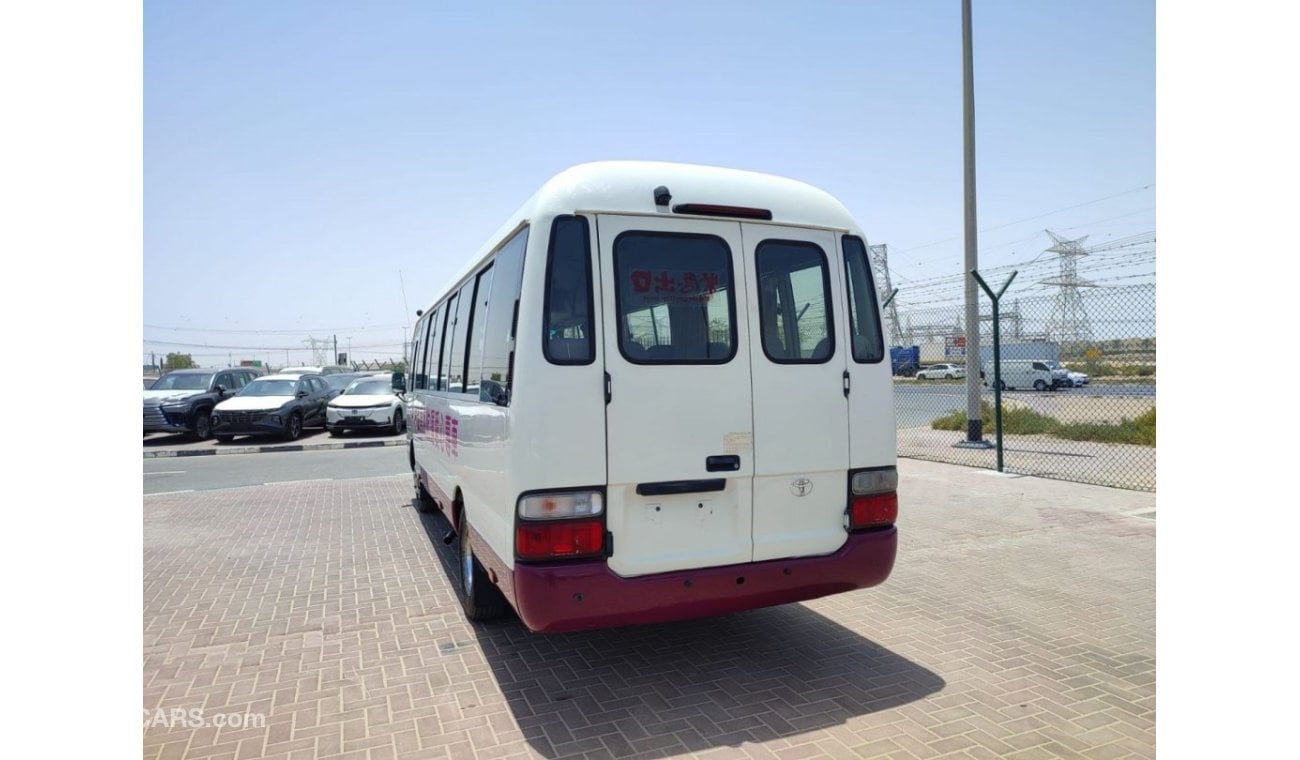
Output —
<point x="498" y="338"/>
<point x="413" y="361"/>
<point x="864" y="320"/>
<point x="454" y="359"/>
<point x="428" y="336"/>
<point x="444" y="343"/>
<point x="567" y="327"/>
<point x="477" y="331"/>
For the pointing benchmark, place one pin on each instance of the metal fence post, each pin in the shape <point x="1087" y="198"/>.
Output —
<point x="997" y="356"/>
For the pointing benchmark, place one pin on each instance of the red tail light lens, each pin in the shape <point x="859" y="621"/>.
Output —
<point x="559" y="539"/>
<point x="873" y="511"/>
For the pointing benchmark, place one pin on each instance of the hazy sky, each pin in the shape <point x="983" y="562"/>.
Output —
<point x="299" y="155"/>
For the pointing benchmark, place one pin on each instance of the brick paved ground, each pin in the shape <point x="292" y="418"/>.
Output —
<point x="1020" y="622"/>
<point x="1108" y="464"/>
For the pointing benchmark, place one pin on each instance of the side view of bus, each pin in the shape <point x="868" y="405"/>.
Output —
<point x="658" y="393"/>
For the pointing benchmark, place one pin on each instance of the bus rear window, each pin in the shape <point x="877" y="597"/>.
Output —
<point x="675" y="298"/>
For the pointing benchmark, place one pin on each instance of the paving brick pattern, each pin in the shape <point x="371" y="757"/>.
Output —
<point x="1019" y="623"/>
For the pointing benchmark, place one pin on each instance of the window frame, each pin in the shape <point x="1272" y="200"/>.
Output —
<point x="731" y="299"/>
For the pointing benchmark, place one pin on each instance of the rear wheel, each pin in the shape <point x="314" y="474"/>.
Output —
<point x="948" y="377"/>
<point x="1039" y="385"/>
<point x="1002" y="386"/>
<point x="479" y="597"/>
<point x="293" y="428"/>
<point x="202" y="424"/>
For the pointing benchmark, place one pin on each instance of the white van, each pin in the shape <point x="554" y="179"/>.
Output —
<point x="659" y="392"/>
<point x="1026" y="373"/>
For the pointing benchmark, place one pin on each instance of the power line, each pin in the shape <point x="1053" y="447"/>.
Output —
<point x="151" y="341"/>
<point x="1031" y="218"/>
<point x="296" y="331"/>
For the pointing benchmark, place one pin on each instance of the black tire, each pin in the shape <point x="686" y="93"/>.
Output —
<point x="224" y="438"/>
<point x="948" y="377"/>
<point x="424" y="501"/>
<point x="1040" y="385"/>
<point x="479" y="597"/>
<point x="920" y="376"/>
<point x="202" y="425"/>
<point x="399" y="424"/>
<point x="1002" y="386"/>
<point x="293" y="428"/>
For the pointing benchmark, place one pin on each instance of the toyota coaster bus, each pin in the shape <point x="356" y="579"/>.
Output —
<point x="657" y="393"/>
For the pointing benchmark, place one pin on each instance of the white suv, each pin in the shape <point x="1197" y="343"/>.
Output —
<point x="944" y="371"/>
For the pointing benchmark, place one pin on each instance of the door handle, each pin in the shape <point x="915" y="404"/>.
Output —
<point x="727" y="463"/>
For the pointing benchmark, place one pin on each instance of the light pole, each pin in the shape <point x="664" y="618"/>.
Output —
<point x="974" y="418"/>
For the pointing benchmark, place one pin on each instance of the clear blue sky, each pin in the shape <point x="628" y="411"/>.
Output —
<point x="299" y="155"/>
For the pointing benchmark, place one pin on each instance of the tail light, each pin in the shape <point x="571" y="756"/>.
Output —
<point x="560" y="525"/>
<point x="566" y="539"/>
<point x="873" y="498"/>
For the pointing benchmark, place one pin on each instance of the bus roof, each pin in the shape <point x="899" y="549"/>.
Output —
<point x="627" y="187"/>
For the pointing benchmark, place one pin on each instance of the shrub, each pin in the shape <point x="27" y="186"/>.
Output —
<point x="1018" y="420"/>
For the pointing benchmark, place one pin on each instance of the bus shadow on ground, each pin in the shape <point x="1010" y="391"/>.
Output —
<point x="660" y="690"/>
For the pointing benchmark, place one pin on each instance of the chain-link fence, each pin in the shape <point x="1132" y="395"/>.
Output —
<point x="1079" y="372"/>
<point x="376" y="365"/>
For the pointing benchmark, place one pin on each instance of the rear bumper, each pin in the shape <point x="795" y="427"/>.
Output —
<point x="585" y="595"/>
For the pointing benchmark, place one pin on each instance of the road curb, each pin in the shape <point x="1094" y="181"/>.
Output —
<point x="270" y="448"/>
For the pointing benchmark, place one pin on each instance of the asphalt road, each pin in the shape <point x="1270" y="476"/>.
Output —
<point x="959" y="388"/>
<point x="171" y="474"/>
<point x="916" y="404"/>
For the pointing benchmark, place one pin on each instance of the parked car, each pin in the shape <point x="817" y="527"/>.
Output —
<point x="182" y="400"/>
<point x="273" y="405"/>
<point x="368" y="403"/>
<point x="332" y="369"/>
<point x="338" y="382"/>
<point x="944" y="371"/>
<point x="1060" y="375"/>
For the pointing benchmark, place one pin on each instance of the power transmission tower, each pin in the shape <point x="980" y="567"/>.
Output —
<point x="879" y="255"/>
<point x="318" y="348"/>
<point x="1069" y="320"/>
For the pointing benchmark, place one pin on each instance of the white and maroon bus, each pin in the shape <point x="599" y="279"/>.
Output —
<point x="659" y="392"/>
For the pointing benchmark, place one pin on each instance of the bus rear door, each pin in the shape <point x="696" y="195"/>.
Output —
<point x="679" y="417"/>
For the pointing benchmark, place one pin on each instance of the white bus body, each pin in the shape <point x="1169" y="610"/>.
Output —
<point x="659" y="392"/>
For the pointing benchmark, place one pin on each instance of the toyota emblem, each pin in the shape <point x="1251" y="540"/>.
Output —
<point x="801" y="486"/>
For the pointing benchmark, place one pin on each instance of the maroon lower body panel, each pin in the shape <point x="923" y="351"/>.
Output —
<point x="551" y="598"/>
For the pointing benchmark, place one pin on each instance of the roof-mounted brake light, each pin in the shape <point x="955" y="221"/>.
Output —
<point x="710" y="209"/>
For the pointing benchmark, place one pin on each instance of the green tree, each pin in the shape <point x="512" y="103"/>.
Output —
<point x="178" y="361"/>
